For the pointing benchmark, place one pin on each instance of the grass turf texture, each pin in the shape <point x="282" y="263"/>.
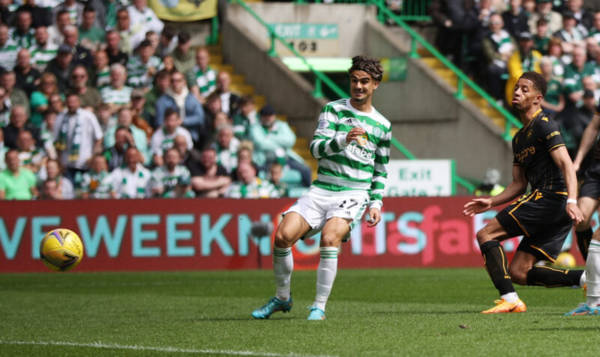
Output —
<point x="371" y="312"/>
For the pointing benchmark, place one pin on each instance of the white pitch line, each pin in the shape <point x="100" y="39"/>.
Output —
<point x="114" y="346"/>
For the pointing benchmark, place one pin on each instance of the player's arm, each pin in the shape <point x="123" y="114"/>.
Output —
<point x="512" y="191"/>
<point x="587" y="141"/>
<point x="328" y="139"/>
<point x="561" y="158"/>
<point x="382" y="158"/>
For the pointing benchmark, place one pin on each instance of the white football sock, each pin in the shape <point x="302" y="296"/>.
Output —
<point x="325" y="275"/>
<point x="283" y="264"/>
<point x="510" y="297"/>
<point x="592" y="269"/>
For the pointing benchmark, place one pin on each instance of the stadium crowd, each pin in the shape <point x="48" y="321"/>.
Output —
<point x="102" y="100"/>
<point x="495" y="41"/>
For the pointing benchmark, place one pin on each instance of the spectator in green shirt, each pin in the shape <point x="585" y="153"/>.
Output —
<point x="16" y="182"/>
<point x="90" y="36"/>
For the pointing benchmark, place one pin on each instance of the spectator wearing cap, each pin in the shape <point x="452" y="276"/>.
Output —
<point x="8" y="49"/>
<point x="201" y="79"/>
<point x="498" y="46"/>
<point x="515" y="18"/>
<point x="570" y="34"/>
<point x="78" y="136"/>
<point x="140" y="13"/>
<point x="179" y="98"/>
<point x="273" y="141"/>
<point x="89" y="96"/>
<point x="42" y="51"/>
<point x="140" y="140"/>
<point x="62" y="66"/>
<point x="525" y="59"/>
<point x="117" y="94"/>
<point x="22" y="34"/>
<point x="131" y="33"/>
<point x="27" y="77"/>
<point x="81" y="55"/>
<point x="91" y="36"/>
<point x="142" y="67"/>
<point x="113" y="48"/>
<point x="40" y="99"/>
<point x="182" y="56"/>
<point x="544" y="11"/>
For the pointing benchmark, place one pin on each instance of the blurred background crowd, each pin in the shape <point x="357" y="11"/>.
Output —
<point x="102" y="100"/>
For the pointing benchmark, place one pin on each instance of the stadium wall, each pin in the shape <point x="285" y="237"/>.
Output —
<point x="422" y="108"/>
<point x="205" y="234"/>
<point x="286" y="91"/>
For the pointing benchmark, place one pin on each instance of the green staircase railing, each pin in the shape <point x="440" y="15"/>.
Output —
<point x="321" y="78"/>
<point x="416" y="41"/>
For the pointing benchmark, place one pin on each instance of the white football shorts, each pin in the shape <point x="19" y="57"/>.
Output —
<point x="317" y="206"/>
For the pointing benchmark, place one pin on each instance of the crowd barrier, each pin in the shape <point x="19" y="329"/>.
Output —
<point x="206" y="234"/>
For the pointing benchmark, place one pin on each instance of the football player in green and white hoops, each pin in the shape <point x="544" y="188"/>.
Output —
<point x="352" y="145"/>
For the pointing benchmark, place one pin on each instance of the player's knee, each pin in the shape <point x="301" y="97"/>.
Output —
<point x="330" y="240"/>
<point x="282" y="240"/>
<point x="518" y="275"/>
<point x="483" y="236"/>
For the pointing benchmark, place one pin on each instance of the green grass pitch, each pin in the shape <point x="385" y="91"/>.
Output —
<point x="399" y="312"/>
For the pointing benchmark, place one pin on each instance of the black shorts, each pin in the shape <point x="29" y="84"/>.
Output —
<point x="542" y="220"/>
<point x="590" y="184"/>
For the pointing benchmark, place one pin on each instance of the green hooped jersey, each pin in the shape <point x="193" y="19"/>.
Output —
<point x="359" y="165"/>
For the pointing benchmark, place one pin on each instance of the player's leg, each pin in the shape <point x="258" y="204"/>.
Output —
<point x="292" y="227"/>
<point x="583" y="231"/>
<point x="496" y="264"/>
<point x="332" y="234"/>
<point x="524" y="272"/>
<point x="592" y="271"/>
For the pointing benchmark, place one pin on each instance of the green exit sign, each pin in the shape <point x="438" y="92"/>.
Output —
<point x="306" y="31"/>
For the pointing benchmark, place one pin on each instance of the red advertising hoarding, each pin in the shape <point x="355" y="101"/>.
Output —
<point x="193" y="234"/>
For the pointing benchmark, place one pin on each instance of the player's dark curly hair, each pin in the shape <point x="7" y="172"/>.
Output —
<point x="539" y="82"/>
<point x="370" y="65"/>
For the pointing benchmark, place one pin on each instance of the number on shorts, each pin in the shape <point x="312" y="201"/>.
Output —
<point x="347" y="204"/>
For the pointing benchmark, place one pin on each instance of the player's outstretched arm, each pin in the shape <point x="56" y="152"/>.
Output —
<point x="513" y="190"/>
<point x="587" y="140"/>
<point x="562" y="159"/>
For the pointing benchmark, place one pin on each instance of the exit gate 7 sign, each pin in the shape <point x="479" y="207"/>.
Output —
<point x="308" y="39"/>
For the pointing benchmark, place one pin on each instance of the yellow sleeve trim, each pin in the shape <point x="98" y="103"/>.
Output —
<point x="555" y="146"/>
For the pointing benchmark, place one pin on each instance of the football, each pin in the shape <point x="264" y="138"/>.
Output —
<point x="565" y="260"/>
<point x="61" y="249"/>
